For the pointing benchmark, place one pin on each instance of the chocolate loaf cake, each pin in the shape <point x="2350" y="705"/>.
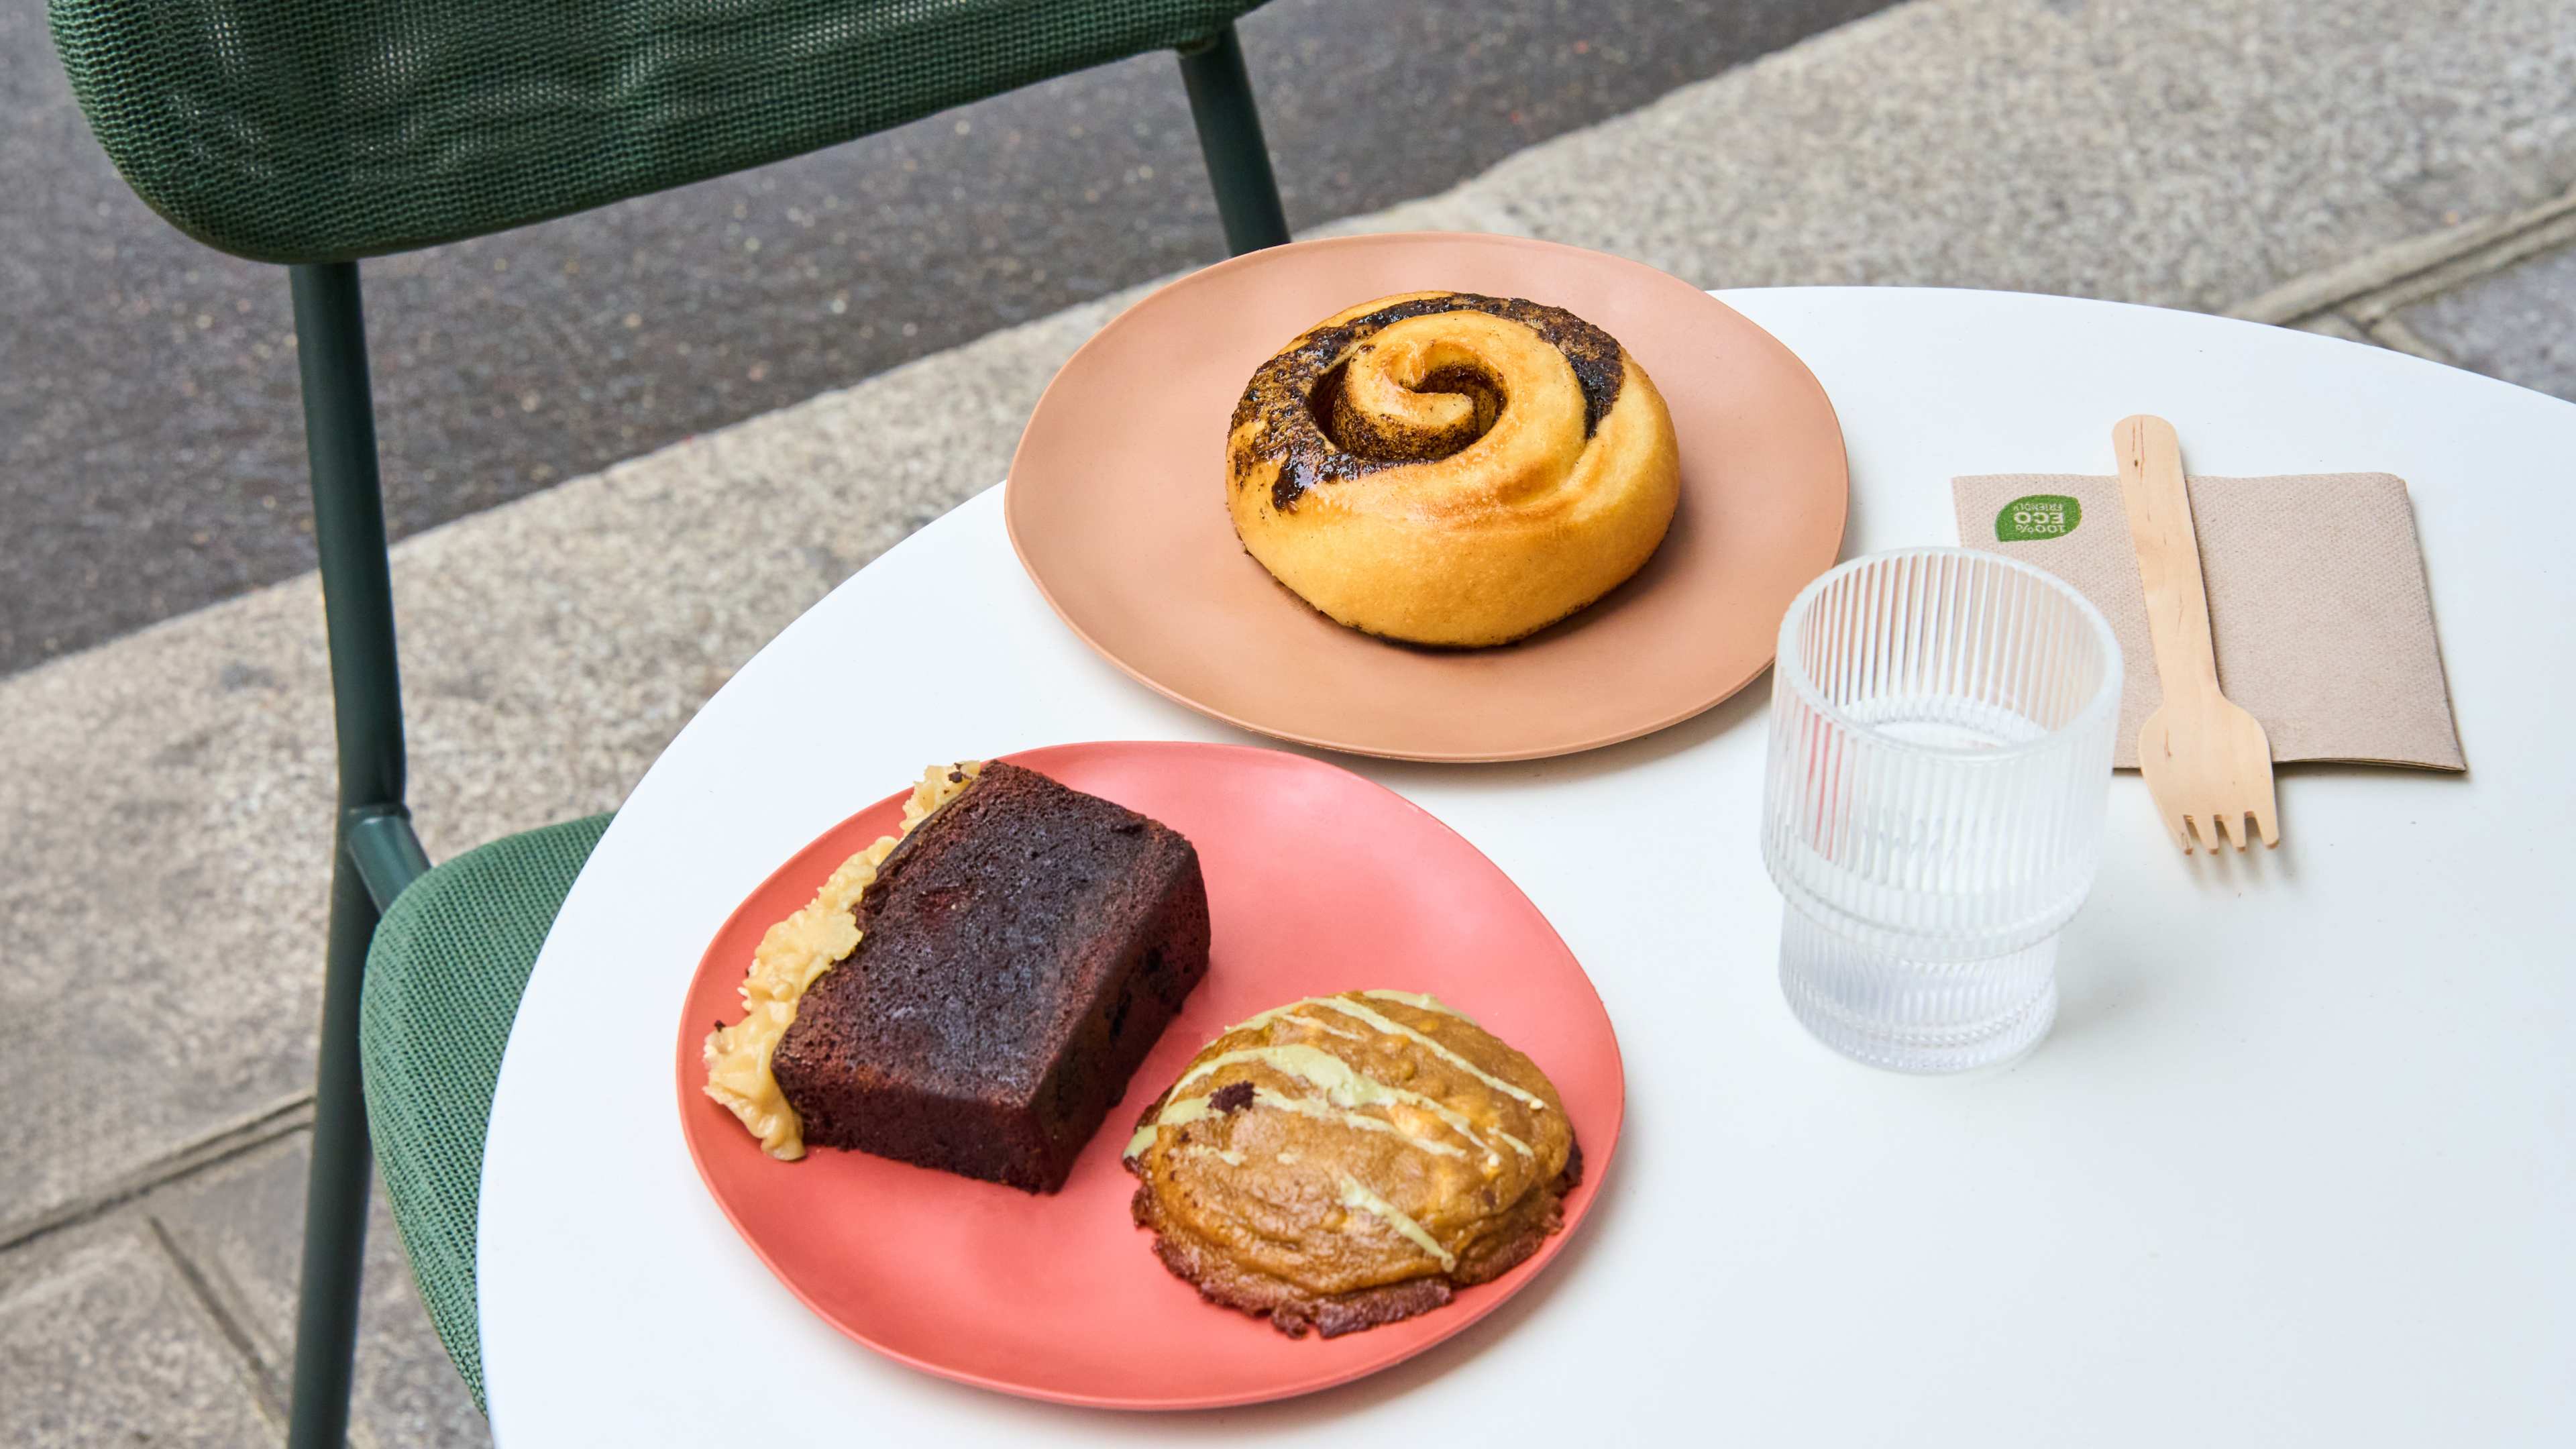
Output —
<point x="1019" y="952"/>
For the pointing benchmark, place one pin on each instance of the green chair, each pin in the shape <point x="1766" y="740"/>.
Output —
<point x="317" y="132"/>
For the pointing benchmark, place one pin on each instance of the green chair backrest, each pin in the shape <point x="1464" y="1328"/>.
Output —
<point x="326" y="130"/>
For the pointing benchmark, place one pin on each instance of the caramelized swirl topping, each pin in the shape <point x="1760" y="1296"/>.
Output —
<point x="1310" y="428"/>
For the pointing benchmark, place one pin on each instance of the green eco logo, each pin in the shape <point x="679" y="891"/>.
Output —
<point x="2041" y="515"/>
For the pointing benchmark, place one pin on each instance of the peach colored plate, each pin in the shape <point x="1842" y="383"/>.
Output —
<point x="1116" y="504"/>
<point x="1318" y="881"/>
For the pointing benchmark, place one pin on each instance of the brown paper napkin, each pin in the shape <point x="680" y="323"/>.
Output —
<point x="2316" y="603"/>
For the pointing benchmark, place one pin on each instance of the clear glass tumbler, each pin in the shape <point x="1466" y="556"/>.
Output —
<point x="1941" y="727"/>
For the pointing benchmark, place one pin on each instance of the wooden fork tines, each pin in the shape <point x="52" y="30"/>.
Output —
<point x="2206" y="761"/>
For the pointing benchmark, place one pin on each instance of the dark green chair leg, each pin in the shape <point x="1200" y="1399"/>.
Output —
<point x="335" y="1195"/>
<point x="366" y="698"/>
<point x="1247" y="195"/>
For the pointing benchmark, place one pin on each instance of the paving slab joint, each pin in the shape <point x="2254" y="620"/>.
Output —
<point x="236" y="1334"/>
<point x="2390" y="332"/>
<point x="2369" y="289"/>
<point x="222" y="1145"/>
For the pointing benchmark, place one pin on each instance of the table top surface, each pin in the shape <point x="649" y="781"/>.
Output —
<point x="2298" y="1161"/>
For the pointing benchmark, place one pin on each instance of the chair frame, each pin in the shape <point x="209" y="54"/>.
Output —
<point x="375" y="852"/>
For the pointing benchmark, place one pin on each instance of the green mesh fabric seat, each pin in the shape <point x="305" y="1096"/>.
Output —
<point x="318" y="132"/>
<point x="444" y="975"/>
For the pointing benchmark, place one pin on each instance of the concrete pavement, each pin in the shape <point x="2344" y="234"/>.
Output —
<point x="2364" y="167"/>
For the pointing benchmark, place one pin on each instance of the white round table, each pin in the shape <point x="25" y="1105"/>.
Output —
<point x="2299" y="1162"/>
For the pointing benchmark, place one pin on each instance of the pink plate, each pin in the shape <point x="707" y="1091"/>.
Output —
<point x="1116" y="505"/>
<point x="1319" y="881"/>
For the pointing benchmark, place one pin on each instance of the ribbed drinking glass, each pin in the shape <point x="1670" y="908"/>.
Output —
<point x="1941" y="726"/>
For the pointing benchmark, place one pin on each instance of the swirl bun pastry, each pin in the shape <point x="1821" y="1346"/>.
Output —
<point x="1451" y="469"/>
<point x="1347" y="1161"/>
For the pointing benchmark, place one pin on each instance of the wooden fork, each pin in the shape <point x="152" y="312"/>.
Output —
<point x="2206" y="761"/>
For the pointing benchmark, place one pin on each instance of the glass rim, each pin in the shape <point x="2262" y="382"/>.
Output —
<point x="2105" y="699"/>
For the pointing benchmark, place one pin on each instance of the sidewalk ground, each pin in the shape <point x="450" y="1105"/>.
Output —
<point x="2378" y="169"/>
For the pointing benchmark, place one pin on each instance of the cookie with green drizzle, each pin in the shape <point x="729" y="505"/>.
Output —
<point x="1346" y="1161"/>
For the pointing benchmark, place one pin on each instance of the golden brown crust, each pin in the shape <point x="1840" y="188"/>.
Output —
<point x="1292" y="1312"/>
<point x="1348" y="1161"/>
<point x="1451" y="469"/>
